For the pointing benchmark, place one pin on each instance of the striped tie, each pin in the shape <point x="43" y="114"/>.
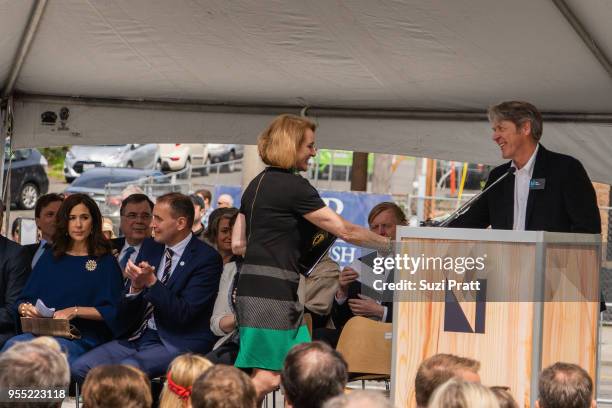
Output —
<point x="149" y="310"/>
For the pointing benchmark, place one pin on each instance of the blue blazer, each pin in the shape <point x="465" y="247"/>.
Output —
<point x="183" y="307"/>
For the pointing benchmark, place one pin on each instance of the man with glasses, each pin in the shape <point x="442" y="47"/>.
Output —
<point x="136" y="213"/>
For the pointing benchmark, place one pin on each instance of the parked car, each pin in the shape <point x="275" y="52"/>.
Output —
<point x="476" y="177"/>
<point x="94" y="181"/>
<point x="139" y="156"/>
<point x="219" y="153"/>
<point x="178" y="156"/>
<point x="28" y="176"/>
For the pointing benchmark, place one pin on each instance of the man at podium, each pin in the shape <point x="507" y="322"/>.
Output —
<point x="547" y="191"/>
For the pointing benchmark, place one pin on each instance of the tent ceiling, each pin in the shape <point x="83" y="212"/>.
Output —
<point x="412" y="54"/>
<point x="451" y="54"/>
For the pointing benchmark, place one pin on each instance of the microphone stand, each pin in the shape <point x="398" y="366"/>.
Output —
<point x="468" y="204"/>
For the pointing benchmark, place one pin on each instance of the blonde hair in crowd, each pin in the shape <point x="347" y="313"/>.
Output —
<point x="456" y="393"/>
<point x="279" y="143"/>
<point x="183" y="370"/>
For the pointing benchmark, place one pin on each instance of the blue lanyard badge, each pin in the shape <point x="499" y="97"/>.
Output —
<point x="537" y="184"/>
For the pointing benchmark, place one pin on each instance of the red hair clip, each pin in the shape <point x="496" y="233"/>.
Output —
<point x="182" y="392"/>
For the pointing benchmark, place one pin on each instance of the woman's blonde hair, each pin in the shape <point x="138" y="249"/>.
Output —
<point x="182" y="372"/>
<point x="279" y="143"/>
<point x="456" y="393"/>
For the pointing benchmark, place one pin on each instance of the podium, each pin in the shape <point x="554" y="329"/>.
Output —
<point x="538" y="303"/>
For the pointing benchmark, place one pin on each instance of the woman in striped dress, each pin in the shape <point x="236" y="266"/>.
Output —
<point x="279" y="211"/>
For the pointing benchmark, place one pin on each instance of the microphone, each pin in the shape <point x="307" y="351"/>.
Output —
<point x="465" y="207"/>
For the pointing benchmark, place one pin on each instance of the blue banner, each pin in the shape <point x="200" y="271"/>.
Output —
<point x="354" y="207"/>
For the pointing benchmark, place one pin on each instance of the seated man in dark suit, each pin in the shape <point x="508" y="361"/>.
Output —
<point x="44" y="215"/>
<point x="349" y="301"/>
<point x="174" y="283"/>
<point x="136" y="214"/>
<point x="548" y="192"/>
<point x="14" y="272"/>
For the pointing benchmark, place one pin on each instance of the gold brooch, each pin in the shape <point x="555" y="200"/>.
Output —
<point x="91" y="265"/>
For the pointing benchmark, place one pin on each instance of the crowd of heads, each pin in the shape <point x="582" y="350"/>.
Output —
<point x="313" y="376"/>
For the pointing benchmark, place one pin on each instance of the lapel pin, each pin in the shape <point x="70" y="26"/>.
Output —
<point x="182" y="263"/>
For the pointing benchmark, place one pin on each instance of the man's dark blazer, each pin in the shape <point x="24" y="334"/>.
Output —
<point x="14" y="272"/>
<point x="117" y="244"/>
<point x="184" y="305"/>
<point x="29" y="251"/>
<point x="567" y="203"/>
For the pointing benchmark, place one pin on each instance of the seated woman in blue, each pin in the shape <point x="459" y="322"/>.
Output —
<point x="78" y="276"/>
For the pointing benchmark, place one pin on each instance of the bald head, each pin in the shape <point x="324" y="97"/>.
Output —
<point x="312" y="374"/>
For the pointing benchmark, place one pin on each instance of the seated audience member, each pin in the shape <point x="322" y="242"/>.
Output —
<point x="112" y="386"/>
<point x="136" y="212"/>
<point x="37" y="364"/>
<point x="45" y="211"/>
<point x="438" y="369"/>
<point x="77" y="276"/>
<point x="173" y="286"/>
<point x="15" y="231"/>
<point x="225" y="201"/>
<point x="182" y="373"/>
<point x="312" y="374"/>
<point x="198" y="207"/>
<point x="565" y="385"/>
<point x="505" y="399"/>
<point x="456" y="393"/>
<point x="383" y="219"/>
<point x="14" y="272"/>
<point x="223" y="386"/>
<point x="359" y="399"/>
<point x="223" y="320"/>
<point x="107" y="228"/>
<point x="219" y="232"/>
<point x="207" y="197"/>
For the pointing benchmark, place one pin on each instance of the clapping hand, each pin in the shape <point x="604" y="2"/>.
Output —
<point x="141" y="275"/>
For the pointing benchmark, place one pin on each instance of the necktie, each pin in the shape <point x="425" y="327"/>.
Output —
<point x="149" y="310"/>
<point x="41" y="248"/>
<point x="126" y="257"/>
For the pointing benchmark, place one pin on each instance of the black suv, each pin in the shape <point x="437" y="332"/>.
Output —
<point x="28" y="177"/>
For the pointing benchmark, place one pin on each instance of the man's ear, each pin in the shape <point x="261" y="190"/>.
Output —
<point x="525" y="128"/>
<point x="182" y="224"/>
<point x="593" y="403"/>
<point x="537" y="405"/>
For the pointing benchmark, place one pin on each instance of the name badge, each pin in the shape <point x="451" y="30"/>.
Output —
<point x="537" y="184"/>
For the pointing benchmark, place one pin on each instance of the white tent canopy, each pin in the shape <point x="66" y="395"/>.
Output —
<point x="406" y="77"/>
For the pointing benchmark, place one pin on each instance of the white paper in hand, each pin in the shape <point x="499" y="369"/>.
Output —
<point x="43" y="310"/>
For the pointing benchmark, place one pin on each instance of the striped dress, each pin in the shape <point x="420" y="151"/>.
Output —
<point x="270" y="317"/>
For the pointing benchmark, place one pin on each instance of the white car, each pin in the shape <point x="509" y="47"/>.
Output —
<point x="139" y="156"/>
<point x="177" y="156"/>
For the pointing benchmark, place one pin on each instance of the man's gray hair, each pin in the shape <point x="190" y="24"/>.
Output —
<point x="359" y="399"/>
<point x="519" y="113"/>
<point x="34" y="365"/>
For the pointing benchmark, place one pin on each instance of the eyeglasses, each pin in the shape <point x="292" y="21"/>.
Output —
<point x="134" y="216"/>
